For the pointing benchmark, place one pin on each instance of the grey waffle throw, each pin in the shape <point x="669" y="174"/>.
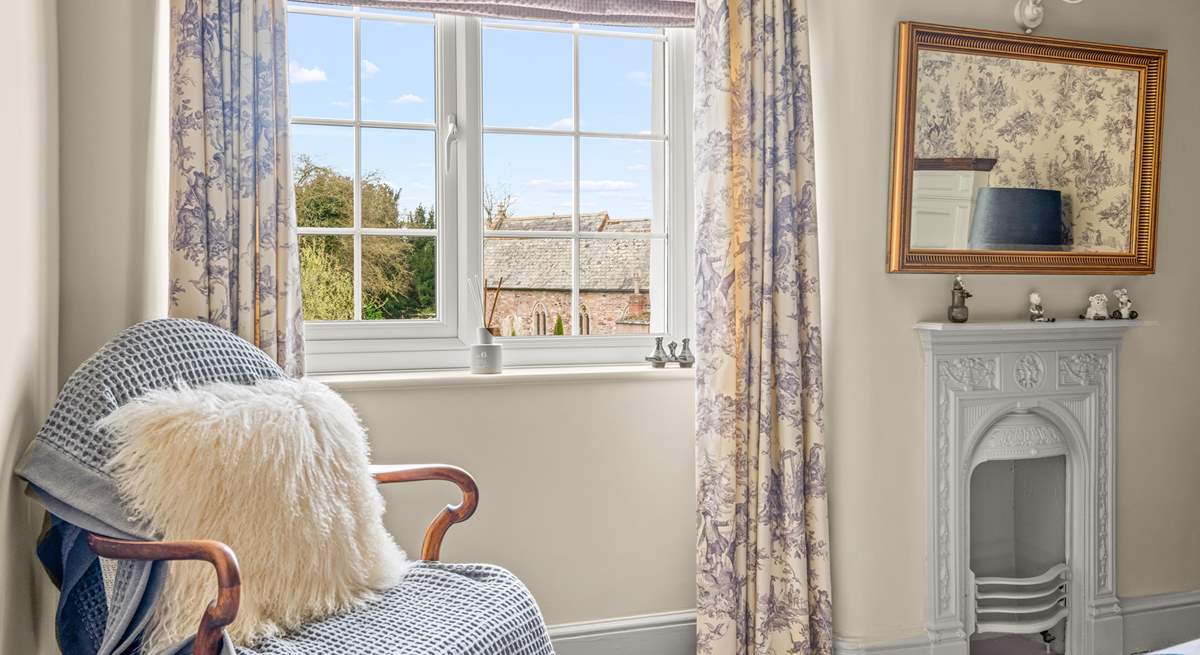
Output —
<point x="450" y="609"/>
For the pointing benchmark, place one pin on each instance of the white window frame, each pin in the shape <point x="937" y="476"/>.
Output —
<point x="393" y="345"/>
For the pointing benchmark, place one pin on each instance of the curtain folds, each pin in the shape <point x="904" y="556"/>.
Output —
<point x="646" y="13"/>
<point x="763" y="580"/>
<point x="232" y="228"/>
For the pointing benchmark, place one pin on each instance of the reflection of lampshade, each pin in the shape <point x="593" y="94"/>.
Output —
<point x="1016" y="219"/>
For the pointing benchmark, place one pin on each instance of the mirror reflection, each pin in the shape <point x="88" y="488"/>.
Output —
<point x="1017" y="154"/>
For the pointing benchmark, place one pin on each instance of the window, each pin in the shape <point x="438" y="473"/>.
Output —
<point x="452" y="172"/>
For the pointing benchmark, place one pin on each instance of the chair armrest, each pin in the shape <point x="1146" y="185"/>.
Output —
<point x="220" y="612"/>
<point x="432" y="546"/>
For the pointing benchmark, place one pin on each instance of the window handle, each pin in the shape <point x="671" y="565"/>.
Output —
<point x="451" y="137"/>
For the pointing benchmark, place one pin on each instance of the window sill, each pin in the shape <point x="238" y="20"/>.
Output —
<point x="528" y="375"/>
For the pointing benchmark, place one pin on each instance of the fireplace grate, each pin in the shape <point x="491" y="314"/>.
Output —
<point x="1021" y="605"/>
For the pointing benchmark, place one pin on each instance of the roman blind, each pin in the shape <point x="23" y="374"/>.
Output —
<point x="646" y="13"/>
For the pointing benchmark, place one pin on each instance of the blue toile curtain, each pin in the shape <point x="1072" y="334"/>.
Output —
<point x="233" y="242"/>
<point x="763" y="583"/>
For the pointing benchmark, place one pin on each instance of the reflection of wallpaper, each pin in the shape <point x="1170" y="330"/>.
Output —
<point x="1049" y="126"/>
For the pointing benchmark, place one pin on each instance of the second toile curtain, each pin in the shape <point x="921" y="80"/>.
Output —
<point x="233" y="257"/>
<point x="763" y="583"/>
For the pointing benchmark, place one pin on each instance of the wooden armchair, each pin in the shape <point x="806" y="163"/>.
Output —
<point x="222" y="611"/>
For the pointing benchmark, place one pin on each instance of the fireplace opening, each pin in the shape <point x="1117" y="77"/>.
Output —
<point x="1018" y="540"/>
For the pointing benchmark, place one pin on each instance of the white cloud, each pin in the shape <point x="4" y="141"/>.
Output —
<point x="584" y="185"/>
<point x="606" y="185"/>
<point x="562" y="124"/>
<point x="408" y="99"/>
<point x="640" y="78"/>
<point x="298" y="74"/>
<point x="637" y="167"/>
<point x="339" y="103"/>
<point x="368" y="68"/>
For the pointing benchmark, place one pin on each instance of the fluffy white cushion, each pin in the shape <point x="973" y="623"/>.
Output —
<point x="279" y="472"/>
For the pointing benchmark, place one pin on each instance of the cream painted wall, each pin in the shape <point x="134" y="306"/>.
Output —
<point x="586" y="486"/>
<point x="872" y="359"/>
<point x="29" y="186"/>
<point x="111" y="253"/>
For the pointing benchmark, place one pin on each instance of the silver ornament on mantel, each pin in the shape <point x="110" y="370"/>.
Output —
<point x="957" y="311"/>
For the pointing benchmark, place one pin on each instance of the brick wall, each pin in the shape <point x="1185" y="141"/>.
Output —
<point x="605" y="308"/>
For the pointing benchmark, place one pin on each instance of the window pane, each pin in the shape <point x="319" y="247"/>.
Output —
<point x="527" y="286"/>
<point x="614" y="286"/>
<point x="323" y="170"/>
<point x="620" y="85"/>
<point x="327" y="277"/>
<point x="527" y="182"/>
<point x="622" y="184"/>
<point x="321" y="66"/>
<point x="399" y="277"/>
<point x="397" y="71"/>
<point x="527" y="79"/>
<point x="399" y="186"/>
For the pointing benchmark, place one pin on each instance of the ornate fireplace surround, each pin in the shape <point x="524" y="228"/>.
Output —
<point x="976" y="375"/>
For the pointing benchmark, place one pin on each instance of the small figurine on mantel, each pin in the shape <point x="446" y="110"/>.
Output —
<point x="957" y="311"/>
<point x="1124" y="308"/>
<point x="1036" y="313"/>
<point x="1097" y="309"/>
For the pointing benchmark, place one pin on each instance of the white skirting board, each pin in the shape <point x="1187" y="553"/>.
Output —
<point x="1154" y="622"/>
<point x="1151" y="623"/>
<point x="669" y="633"/>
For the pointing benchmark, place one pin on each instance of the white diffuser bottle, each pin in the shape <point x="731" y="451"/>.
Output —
<point x="486" y="357"/>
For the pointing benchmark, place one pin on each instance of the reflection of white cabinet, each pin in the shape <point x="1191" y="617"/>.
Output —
<point x="942" y="203"/>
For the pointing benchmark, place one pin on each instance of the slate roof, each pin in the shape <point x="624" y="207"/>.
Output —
<point x="535" y="263"/>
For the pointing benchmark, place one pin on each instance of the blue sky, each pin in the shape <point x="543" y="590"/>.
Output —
<point x="526" y="83"/>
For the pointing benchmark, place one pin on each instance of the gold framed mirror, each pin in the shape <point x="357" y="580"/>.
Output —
<point x="1023" y="154"/>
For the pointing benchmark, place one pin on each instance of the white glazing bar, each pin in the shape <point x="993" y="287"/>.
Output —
<point x="571" y="234"/>
<point x="349" y="122"/>
<point x="357" y="169"/>
<point x="575" y="263"/>
<point x="373" y="231"/>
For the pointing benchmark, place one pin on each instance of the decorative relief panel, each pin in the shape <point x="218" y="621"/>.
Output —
<point x="1091" y="369"/>
<point x="955" y="374"/>
<point x="970" y="373"/>
<point x="1029" y="371"/>
<point x="1021" y="441"/>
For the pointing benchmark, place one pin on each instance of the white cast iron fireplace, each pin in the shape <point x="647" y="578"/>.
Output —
<point x="1020" y="426"/>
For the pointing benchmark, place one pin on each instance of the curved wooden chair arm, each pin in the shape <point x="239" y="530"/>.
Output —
<point x="432" y="546"/>
<point x="220" y="612"/>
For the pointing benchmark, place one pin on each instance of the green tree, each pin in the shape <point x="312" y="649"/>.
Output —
<point x="398" y="273"/>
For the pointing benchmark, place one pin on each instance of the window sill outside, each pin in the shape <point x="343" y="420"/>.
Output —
<point x="376" y="381"/>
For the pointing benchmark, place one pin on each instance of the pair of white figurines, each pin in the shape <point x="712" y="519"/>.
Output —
<point x="1097" y="309"/>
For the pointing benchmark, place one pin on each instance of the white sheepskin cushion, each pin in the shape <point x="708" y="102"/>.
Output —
<point x="279" y="472"/>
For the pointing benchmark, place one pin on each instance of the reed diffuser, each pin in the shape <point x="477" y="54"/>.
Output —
<point x="486" y="357"/>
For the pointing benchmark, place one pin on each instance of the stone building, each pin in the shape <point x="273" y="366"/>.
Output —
<point x="534" y="277"/>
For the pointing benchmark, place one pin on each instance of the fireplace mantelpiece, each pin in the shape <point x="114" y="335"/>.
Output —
<point x="977" y="374"/>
